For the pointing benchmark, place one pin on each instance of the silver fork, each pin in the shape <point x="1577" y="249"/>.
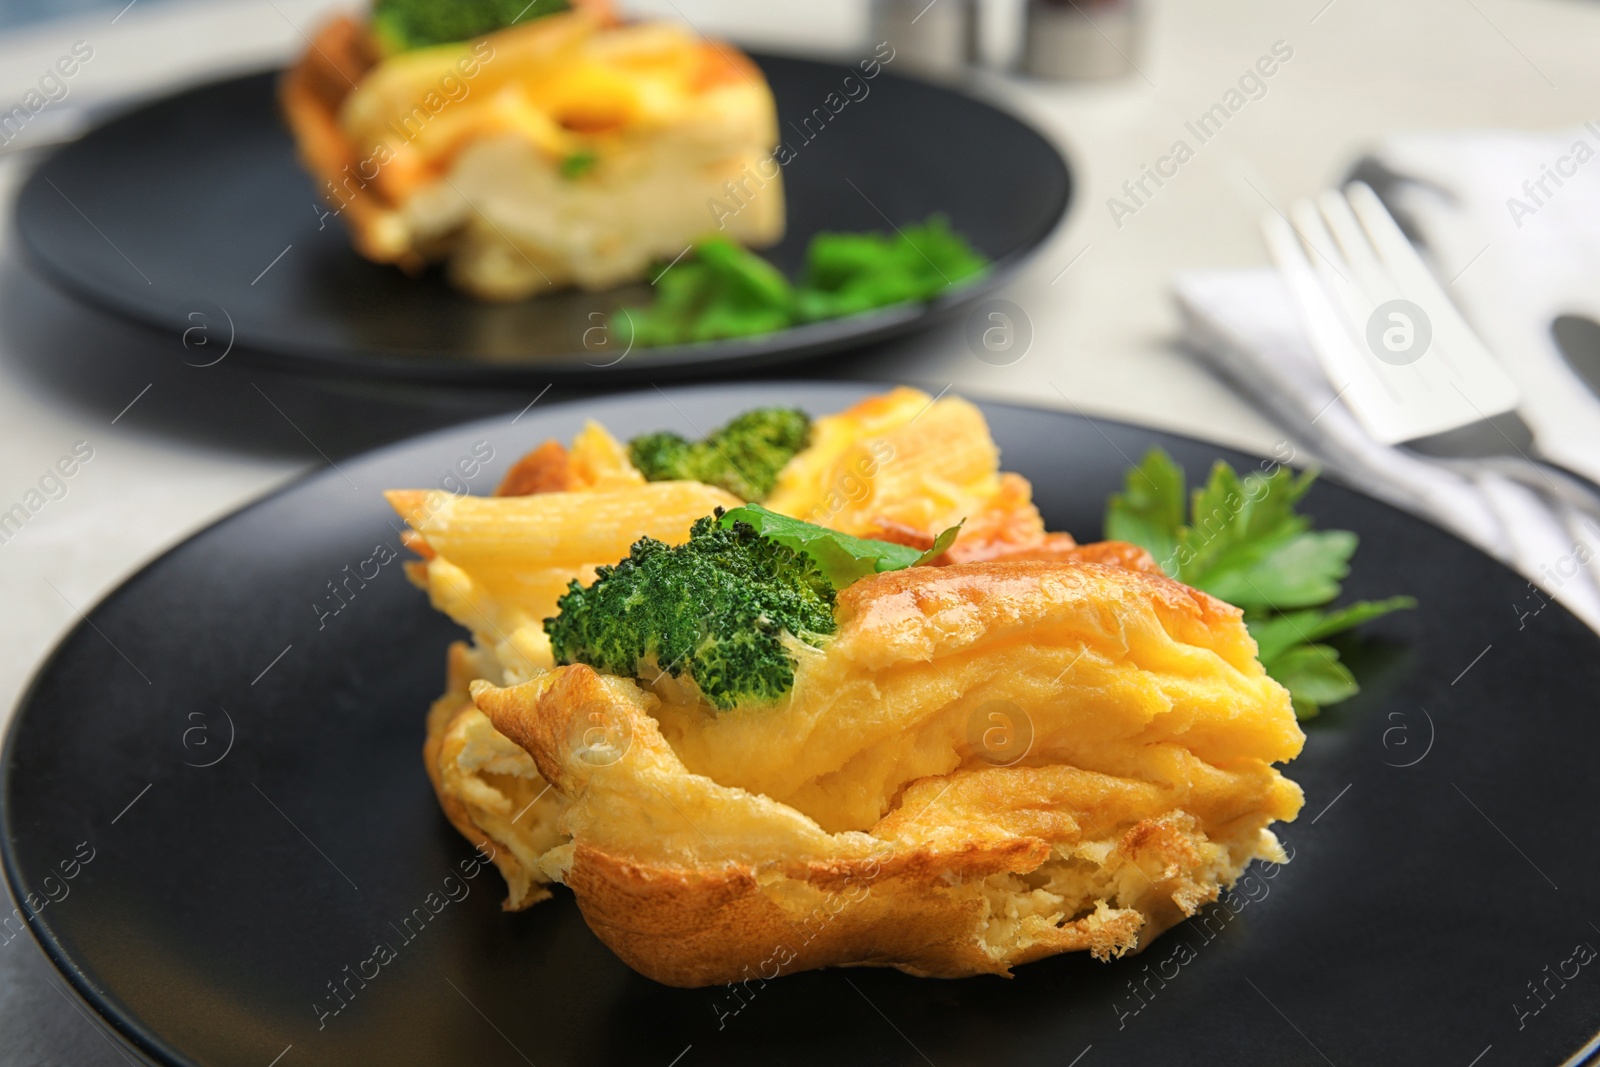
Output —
<point x="1402" y="358"/>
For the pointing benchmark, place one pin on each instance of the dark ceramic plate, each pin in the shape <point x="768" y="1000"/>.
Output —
<point x="172" y="216"/>
<point x="1445" y="859"/>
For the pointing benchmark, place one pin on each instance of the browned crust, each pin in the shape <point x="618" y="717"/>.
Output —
<point x="605" y="10"/>
<point x="1044" y="546"/>
<point x="418" y="544"/>
<point x="898" y="533"/>
<point x="547" y="469"/>
<point x="711" y="925"/>
<point x="339" y="57"/>
<point x="1009" y="527"/>
<point x="979" y="582"/>
<point x="1112" y="554"/>
<point x="1056" y="548"/>
<point x="311" y="93"/>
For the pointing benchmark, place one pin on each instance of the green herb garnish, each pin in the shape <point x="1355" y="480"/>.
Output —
<point x="842" y="558"/>
<point x="848" y="273"/>
<point x="1244" y="543"/>
<point x="401" y="25"/>
<point x="578" y="164"/>
<point x="722" y="290"/>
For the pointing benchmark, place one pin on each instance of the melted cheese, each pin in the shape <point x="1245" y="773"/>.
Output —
<point x="1090" y="666"/>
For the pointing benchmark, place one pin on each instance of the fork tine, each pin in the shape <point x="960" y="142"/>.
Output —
<point x="1335" y="273"/>
<point x="1490" y="387"/>
<point x="1367" y="271"/>
<point x="1336" y="350"/>
<point x="1339" y="291"/>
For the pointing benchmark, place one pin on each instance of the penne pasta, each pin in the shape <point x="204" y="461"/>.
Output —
<point x="568" y="530"/>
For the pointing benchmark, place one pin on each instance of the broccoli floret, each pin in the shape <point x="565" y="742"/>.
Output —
<point x="744" y="457"/>
<point x="405" y="24"/>
<point x="716" y="608"/>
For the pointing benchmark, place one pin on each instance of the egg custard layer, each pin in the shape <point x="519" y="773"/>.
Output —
<point x="875" y="790"/>
<point x="1078" y="659"/>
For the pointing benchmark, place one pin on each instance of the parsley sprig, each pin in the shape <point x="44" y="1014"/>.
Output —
<point x="723" y="290"/>
<point x="1242" y="541"/>
<point x="843" y="559"/>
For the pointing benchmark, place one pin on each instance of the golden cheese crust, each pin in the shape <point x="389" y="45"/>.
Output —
<point x="879" y="832"/>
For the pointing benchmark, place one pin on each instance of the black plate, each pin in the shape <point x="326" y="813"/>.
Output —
<point x="169" y="216"/>
<point x="1444" y="807"/>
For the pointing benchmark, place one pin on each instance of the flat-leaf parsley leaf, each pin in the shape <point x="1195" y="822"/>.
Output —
<point x="1243" y="542"/>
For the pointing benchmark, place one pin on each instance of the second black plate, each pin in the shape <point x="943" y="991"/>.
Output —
<point x="213" y="795"/>
<point x="192" y="215"/>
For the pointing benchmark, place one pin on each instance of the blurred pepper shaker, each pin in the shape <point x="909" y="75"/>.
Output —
<point x="1081" y="39"/>
<point x="930" y="37"/>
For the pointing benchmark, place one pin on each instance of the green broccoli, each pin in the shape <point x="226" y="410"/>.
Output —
<point x="718" y="608"/>
<point x="743" y="457"/>
<point x="401" y="25"/>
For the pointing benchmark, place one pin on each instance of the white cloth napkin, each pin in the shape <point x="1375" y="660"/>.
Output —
<point x="1452" y="190"/>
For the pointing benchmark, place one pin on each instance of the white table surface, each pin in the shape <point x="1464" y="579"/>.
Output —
<point x="197" y="444"/>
